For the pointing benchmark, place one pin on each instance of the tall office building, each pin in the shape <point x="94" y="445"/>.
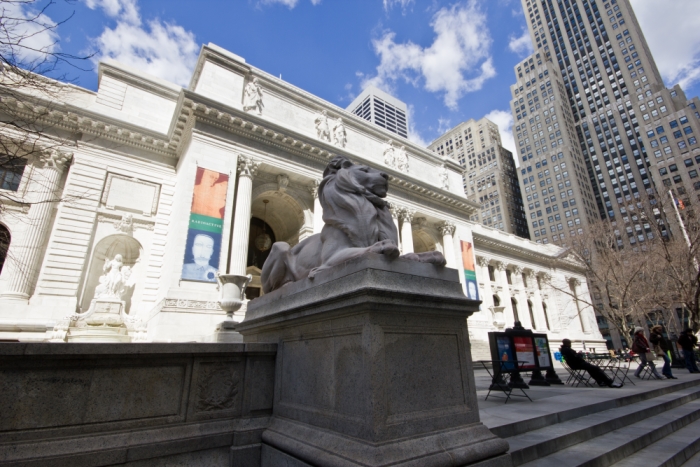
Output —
<point x="489" y="176"/>
<point x="619" y="109"/>
<point x="622" y="129"/>
<point x="382" y="109"/>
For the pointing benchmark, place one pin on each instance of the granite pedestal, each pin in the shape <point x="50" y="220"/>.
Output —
<point x="373" y="369"/>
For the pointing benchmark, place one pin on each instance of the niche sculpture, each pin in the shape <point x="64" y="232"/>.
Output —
<point x="357" y="221"/>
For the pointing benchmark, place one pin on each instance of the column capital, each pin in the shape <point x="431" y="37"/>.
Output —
<point x="55" y="159"/>
<point x="573" y="281"/>
<point x="483" y="261"/>
<point x="407" y="214"/>
<point x="530" y="274"/>
<point x="545" y="277"/>
<point x="313" y="188"/>
<point x="501" y="266"/>
<point x="517" y="270"/>
<point x="394" y="209"/>
<point x="446" y="228"/>
<point x="247" y="166"/>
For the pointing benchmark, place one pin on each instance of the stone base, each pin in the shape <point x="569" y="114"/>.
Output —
<point x="373" y="368"/>
<point x="98" y="334"/>
<point x="302" y="445"/>
<point x="228" y="335"/>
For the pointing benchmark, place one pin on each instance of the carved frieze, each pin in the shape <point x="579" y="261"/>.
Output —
<point x="218" y="387"/>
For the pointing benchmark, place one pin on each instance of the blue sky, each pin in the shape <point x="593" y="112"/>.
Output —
<point x="449" y="61"/>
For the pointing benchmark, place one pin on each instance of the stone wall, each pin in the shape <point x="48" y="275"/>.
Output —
<point x="187" y="404"/>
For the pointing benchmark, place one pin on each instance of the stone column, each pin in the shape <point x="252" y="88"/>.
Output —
<point x="247" y="167"/>
<point x="447" y="230"/>
<point x="395" y="211"/>
<point x="522" y="298"/>
<point x="537" y="301"/>
<point x="318" y="210"/>
<point x="574" y="283"/>
<point x="483" y="262"/>
<point x="26" y="250"/>
<point x="407" y="231"/>
<point x="501" y="277"/>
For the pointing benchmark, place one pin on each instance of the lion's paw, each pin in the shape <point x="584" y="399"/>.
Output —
<point x="431" y="257"/>
<point x="386" y="247"/>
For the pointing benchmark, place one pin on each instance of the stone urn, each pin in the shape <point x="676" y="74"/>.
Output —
<point x="231" y="295"/>
<point x="498" y="319"/>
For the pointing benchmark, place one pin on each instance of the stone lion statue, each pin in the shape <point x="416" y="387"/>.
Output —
<point x="357" y="221"/>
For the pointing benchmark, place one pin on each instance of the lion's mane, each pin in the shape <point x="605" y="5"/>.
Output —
<point x="352" y="208"/>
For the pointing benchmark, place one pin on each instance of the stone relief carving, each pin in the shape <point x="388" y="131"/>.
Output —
<point x="419" y="223"/>
<point x="191" y="304"/>
<point x="217" y="387"/>
<point x="357" y="221"/>
<point x="253" y="97"/>
<point x="125" y="224"/>
<point x="313" y="188"/>
<point x="444" y="178"/>
<point x="394" y="157"/>
<point x="323" y="131"/>
<point x="282" y="183"/>
<point x="55" y="159"/>
<point x="340" y="136"/>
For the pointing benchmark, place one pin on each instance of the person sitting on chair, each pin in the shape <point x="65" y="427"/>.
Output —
<point x="576" y="362"/>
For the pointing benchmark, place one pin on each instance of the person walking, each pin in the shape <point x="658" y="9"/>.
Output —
<point x="688" y="341"/>
<point x="640" y="346"/>
<point x="576" y="362"/>
<point x="662" y="349"/>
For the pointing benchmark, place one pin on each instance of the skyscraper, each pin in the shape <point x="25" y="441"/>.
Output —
<point x="613" y="100"/>
<point x="382" y="109"/>
<point x="489" y="176"/>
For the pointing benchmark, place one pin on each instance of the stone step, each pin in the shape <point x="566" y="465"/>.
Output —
<point x="676" y="449"/>
<point x="480" y="350"/>
<point x="617" y="445"/>
<point x="561" y="409"/>
<point x="535" y="444"/>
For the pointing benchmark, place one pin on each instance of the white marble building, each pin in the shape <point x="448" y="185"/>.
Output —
<point x="127" y="182"/>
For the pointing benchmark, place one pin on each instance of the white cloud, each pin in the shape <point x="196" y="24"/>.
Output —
<point x="444" y="124"/>
<point x="288" y="3"/>
<point x="389" y="4"/>
<point x="162" y="49"/>
<point x="29" y="37"/>
<point x="521" y="45"/>
<point x="672" y="32"/>
<point x="457" y="62"/>
<point x="504" y="120"/>
<point x="413" y="135"/>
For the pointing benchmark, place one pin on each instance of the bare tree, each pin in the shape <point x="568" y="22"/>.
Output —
<point x="33" y="81"/>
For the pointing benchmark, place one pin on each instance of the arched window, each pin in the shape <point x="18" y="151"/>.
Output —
<point x="546" y="318"/>
<point x="492" y="273"/>
<point x="514" y="304"/>
<point x="4" y="244"/>
<point x="532" y="314"/>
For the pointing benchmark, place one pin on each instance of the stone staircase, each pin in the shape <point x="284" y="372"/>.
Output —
<point x="657" y="427"/>
<point x="480" y="350"/>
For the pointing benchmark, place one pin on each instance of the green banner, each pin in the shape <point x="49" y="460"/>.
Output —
<point x="206" y="223"/>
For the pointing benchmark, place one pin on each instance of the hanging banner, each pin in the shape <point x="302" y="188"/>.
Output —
<point x="203" y="247"/>
<point x="469" y="270"/>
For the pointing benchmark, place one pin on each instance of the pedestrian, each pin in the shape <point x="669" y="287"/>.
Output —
<point x="576" y="362"/>
<point x="640" y="345"/>
<point x="662" y="349"/>
<point x="688" y="341"/>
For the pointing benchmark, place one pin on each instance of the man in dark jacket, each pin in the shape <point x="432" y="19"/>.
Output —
<point x="657" y="340"/>
<point x="576" y="362"/>
<point x="687" y="341"/>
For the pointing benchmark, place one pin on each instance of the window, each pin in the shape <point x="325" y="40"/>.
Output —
<point x="663" y="171"/>
<point x="693" y="174"/>
<point x="673" y="168"/>
<point x="687" y="130"/>
<point x="492" y="273"/>
<point x="673" y="124"/>
<point x="11" y="170"/>
<point x="688" y="162"/>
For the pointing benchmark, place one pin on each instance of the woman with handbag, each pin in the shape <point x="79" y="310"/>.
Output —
<point x="661" y="349"/>
<point x="640" y="345"/>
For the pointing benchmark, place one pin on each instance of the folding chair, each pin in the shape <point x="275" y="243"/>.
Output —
<point x="577" y="377"/>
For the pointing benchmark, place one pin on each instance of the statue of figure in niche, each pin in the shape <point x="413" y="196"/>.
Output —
<point x="323" y="131"/>
<point x="340" y="137"/>
<point x="116" y="280"/>
<point x="401" y="159"/>
<point x="390" y="154"/>
<point x="253" y="97"/>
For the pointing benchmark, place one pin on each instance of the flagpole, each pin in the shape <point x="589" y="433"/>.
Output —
<point x="680" y="220"/>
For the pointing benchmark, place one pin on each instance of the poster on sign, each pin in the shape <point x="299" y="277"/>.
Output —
<point x="505" y="352"/>
<point x="203" y="245"/>
<point x="542" y="347"/>
<point x="524" y="351"/>
<point x="469" y="270"/>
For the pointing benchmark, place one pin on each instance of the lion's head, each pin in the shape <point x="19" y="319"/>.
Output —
<point x="352" y="200"/>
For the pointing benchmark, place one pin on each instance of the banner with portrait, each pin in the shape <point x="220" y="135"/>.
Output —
<point x="203" y="247"/>
<point x="469" y="270"/>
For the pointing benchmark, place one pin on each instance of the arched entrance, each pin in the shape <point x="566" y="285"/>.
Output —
<point x="108" y="248"/>
<point x="4" y="244"/>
